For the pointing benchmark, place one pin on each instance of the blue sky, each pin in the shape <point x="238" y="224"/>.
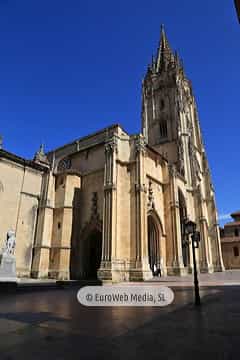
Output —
<point x="69" y="68"/>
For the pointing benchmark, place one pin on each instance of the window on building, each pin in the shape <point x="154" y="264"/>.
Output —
<point x="59" y="225"/>
<point x="236" y="232"/>
<point x="236" y="251"/>
<point x="163" y="129"/>
<point x="162" y="104"/>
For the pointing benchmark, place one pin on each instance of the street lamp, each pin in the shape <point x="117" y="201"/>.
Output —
<point x="190" y="229"/>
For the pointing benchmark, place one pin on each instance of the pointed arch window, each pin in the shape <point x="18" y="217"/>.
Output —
<point x="163" y="129"/>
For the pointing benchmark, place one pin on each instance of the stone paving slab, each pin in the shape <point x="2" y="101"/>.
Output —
<point x="181" y="332"/>
<point x="53" y="325"/>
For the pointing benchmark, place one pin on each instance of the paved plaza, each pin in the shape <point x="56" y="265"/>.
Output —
<point x="51" y="324"/>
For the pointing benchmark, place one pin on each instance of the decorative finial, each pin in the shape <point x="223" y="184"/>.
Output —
<point x="40" y="156"/>
<point x="1" y="142"/>
<point x="153" y="60"/>
<point x="162" y="33"/>
<point x="41" y="149"/>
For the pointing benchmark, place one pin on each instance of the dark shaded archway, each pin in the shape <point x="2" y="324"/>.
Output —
<point x="183" y="216"/>
<point x="86" y="251"/>
<point x="92" y="254"/>
<point x="153" y="245"/>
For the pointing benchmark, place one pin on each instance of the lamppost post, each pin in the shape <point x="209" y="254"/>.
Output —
<point x="190" y="229"/>
<point x="196" y="285"/>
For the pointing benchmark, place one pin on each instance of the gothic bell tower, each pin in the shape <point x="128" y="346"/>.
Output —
<point x="170" y="125"/>
<point x="169" y="114"/>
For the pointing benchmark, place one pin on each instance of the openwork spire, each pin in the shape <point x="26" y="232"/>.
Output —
<point x="165" y="55"/>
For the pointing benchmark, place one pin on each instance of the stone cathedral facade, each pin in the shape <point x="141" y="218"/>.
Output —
<point x="113" y="205"/>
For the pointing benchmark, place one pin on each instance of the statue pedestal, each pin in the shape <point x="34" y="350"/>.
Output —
<point x="7" y="268"/>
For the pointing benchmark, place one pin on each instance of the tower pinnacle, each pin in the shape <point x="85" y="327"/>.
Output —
<point x="165" y="54"/>
<point x="40" y="156"/>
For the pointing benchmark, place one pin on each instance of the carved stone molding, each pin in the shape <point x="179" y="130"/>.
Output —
<point x="140" y="145"/>
<point x="196" y="169"/>
<point x="94" y="209"/>
<point x="203" y="220"/>
<point x="180" y="163"/>
<point x="174" y="204"/>
<point x="151" y="201"/>
<point x="111" y="145"/>
<point x="110" y="187"/>
<point x="140" y="188"/>
<point x="172" y="170"/>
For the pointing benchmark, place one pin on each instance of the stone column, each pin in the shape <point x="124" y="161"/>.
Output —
<point x="204" y="250"/>
<point x="142" y="268"/>
<point x="218" y="261"/>
<point x="216" y="242"/>
<point x="66" y="198"/>
<point x="177" y="260"/>
<point x="40" y="263"/>
<point x="110" y="210"/>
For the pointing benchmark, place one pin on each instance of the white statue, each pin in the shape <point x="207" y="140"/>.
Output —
<point x="10" y="243"/>
<point x="7" y="260"/>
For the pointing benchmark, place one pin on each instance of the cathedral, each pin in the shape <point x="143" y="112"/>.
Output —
<point x="112" y="205"/>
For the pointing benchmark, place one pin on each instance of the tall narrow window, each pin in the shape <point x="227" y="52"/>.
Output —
<point x="162" y="104"/>
<point x="163" y="129"/>
<point x="236" y="232"/>
<point x="236" y="251"/>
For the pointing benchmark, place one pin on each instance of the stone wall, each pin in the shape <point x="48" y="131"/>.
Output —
<point x="231" y="257"/>
<point x="19" y="197"/>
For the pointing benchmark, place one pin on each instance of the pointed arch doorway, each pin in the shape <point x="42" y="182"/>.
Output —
<point x="154" y="251"/>
<point x="87" y="254"/>
<point x="92" y="254"/>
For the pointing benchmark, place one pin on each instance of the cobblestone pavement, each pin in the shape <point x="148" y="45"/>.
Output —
<point x="53" y="325"/>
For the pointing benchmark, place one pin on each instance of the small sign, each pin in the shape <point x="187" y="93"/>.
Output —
<point x="135" y="295"/>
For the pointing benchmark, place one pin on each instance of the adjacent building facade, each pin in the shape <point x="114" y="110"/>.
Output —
<point x="113" y="205"/>
<point x="230" y="241"/>
<point x="237" y="5"/>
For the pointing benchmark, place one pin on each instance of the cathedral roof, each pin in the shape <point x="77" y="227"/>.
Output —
<point x="230" y="239"/>
<point x="235" y="214"/>
<point x="87" y="137"/>
<point x="236" y="219"/>
<point x="22" y="161"/>
<point x="232" y="223"/>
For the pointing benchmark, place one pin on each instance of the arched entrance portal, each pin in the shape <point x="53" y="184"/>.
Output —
<point x="154" y="246"/>
<point x="183" y="215"/>
<point x="92" y="254"/>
